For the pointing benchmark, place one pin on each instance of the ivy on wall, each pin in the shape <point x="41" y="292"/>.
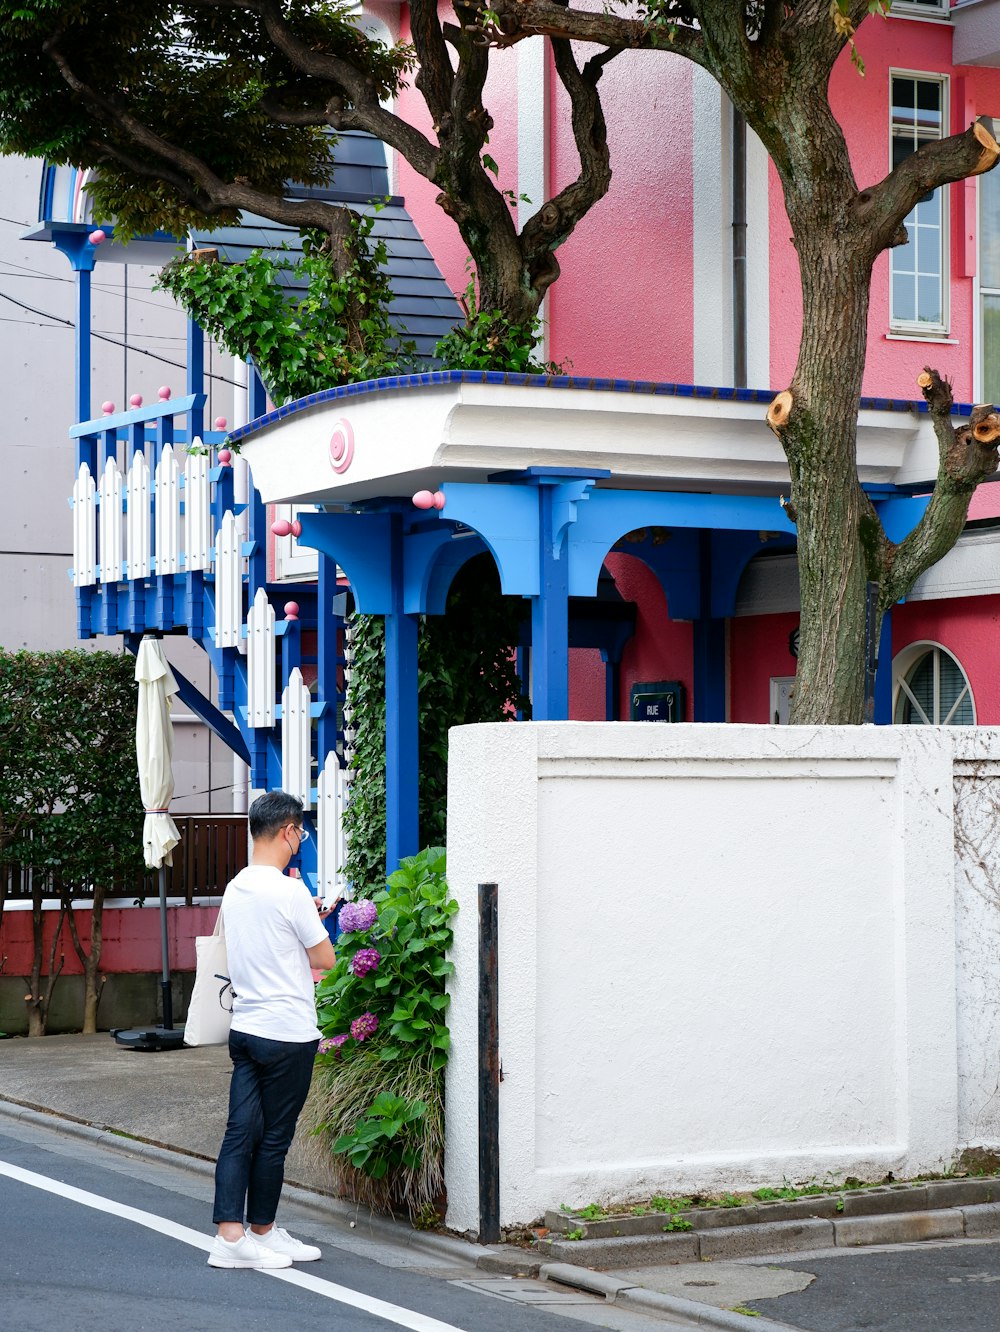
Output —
<point x="467" y="673"/>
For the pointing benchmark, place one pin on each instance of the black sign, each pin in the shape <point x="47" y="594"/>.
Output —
<point x="659" y="701"/>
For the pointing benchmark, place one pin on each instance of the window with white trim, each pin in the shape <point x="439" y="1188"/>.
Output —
<point x="931" y="688"/>
<point x="928" y="7"/>
<point x="989" y="285"/>
<point x="918" y="271"/>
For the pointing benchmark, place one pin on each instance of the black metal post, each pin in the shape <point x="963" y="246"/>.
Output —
<point x="489" y="1069"/>
<point x="168" y="1006"/>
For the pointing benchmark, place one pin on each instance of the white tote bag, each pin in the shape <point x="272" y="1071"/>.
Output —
<point x="210" y="1010"/>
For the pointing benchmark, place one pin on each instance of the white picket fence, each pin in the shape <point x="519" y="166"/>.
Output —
<point x="138" y="526"/>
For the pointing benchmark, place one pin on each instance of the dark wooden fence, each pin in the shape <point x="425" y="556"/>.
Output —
<point x="213" y="848"/>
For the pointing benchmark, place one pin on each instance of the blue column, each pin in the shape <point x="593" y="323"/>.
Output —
<point x="82" y="255"/>
<point x="196" y="376"/>
<point x="709" y="703"/>
<point x="883" y="675"/>
<point x="550" y="620"/>
<point x="402" y="831"/>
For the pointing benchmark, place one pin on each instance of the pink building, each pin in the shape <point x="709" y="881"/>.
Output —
<point x="649" y="290"/>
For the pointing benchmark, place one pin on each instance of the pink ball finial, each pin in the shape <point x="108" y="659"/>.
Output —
<point x="163" y="393"/>
<point x="423" y="499"/>
<point x="135" y="400"/>
<point x="220" y="423"/>
<point x="98" y="237"/>
<point x="291" y="610"/>
<point x="296" y="528"/>
<point x="281" y="527"/>
<point x="225" y="457"/>
<point x="438" y="499"/>
<point x="107" y="408"/>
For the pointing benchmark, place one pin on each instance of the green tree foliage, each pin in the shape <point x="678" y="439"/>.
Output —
<point x="193" y="112"/>
<point x="336" y="332"/>
<point x="70" y="807"/>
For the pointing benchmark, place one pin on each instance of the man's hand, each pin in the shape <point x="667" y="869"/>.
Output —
<point x="325" y="911"/>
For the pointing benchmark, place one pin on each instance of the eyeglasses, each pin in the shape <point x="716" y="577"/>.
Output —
<point x="302" y="832"/>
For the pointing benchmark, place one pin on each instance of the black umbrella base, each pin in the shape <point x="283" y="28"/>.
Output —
<point x="150" y="1038"/>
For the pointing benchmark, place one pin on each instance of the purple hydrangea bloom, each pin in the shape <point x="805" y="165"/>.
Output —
<point x="358" y="915"/>
<point x="365" y="1025"/>
<point x="331" y="1044"/>
<point x="365" y="960"/>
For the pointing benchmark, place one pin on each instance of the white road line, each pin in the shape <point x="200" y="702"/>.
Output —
<point x="392" y="1313"/>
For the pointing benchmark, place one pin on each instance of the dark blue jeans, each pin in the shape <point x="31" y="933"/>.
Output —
<point x="269" y="1088"/>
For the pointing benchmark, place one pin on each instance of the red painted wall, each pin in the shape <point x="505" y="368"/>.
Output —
<point x="758" y="650"/>
<point x="969" y="628"/>
<point x="131" y="939"/>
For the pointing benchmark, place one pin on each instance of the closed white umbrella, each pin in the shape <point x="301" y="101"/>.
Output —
<point x="154" y="749"/>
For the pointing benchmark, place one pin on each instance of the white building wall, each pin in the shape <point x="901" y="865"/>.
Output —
<point x="728" y="956"/>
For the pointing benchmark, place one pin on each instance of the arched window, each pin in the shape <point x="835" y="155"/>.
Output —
<point x="931" y="689"/>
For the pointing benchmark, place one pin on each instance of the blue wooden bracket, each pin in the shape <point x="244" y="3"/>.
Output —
<point x="155" y="412"/>
<point x="506" y="518"/>
<point x="900" y="513"/>
<point x="361" y="545"/>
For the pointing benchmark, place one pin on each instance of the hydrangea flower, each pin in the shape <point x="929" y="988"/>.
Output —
<point x="365" y="960"/>
<point x="363" y="1026"/>
<point x="331" y="1044"/>
<point x="358" y="915"/>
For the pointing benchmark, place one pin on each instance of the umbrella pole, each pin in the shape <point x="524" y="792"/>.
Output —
<point x="168" y="1008"/>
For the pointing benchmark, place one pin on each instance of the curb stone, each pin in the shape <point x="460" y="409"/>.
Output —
<point x="628" y="1296"/>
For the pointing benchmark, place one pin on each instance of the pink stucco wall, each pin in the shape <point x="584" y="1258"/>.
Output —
<point x="758" y="650"/>
<point x="862" y="106"/>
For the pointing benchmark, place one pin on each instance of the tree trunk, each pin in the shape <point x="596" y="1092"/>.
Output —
<point x="838" y="531"/>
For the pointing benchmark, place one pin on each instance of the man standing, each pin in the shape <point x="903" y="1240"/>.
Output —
<point x="274" y="938"/>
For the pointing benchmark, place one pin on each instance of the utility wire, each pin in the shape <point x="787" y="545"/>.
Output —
<point x="115" y="342"/>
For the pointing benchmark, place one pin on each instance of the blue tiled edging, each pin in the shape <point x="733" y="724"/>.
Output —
<point x="436" y="377"/>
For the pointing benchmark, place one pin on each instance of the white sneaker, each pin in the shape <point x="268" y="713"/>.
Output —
<point x="246" y="1252"/>
<point x="280" y="1243"/>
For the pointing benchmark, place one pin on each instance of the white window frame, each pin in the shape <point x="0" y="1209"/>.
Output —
<point x="905" y="662"/>
<point x="918" y="328"/>
<point x="293" y="563"/>
<point x="979" y="291"/>
<point x="935" y="12"/>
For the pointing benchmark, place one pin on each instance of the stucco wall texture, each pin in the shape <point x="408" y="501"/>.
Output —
<point x="797" y="961"/>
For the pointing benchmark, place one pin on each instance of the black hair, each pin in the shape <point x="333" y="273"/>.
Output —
<point x="271" y="811"/>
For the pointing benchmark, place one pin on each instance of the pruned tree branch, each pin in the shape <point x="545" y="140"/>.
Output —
<point x="967" y="454"/>
<point x="881" y="209"/>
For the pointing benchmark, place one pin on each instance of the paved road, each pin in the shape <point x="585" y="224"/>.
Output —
<point x="946" y="1286"/>
<point x="91" y="1237"/>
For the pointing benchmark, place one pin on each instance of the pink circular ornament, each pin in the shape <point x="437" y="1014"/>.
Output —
<point x="341" y="446"/>
<point x="220" y="423"/>
<point x="423" y="499"/>
<point x="135" y="400"/>
<point x="225" y="457"/>
<point x="98" y="237"/>
<point x="438" y="499"/>
<point x="163" y="393"/>
<point x="291" y="610"/>
<point x="296" y="528"/>
<point x="281" y="527"/>
<point x="107" y="408"/>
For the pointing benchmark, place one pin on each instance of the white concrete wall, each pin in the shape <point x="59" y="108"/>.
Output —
<point x="729" y="955"/>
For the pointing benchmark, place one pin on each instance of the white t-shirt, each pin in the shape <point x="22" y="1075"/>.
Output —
<point x="269" y="922"/>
